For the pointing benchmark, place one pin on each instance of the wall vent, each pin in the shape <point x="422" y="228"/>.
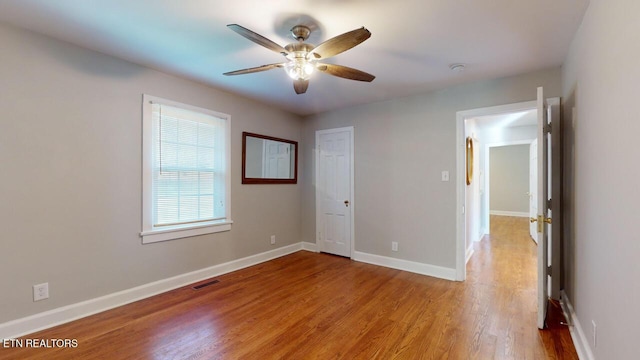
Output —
<point x="200" y="286"/>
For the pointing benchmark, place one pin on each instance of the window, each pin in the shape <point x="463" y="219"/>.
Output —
<point x="186" y="180"/>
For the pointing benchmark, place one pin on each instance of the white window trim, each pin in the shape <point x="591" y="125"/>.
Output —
<point x="151" y="234"/>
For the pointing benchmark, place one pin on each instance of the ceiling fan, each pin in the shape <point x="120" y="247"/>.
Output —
<point x="302" y="57"/>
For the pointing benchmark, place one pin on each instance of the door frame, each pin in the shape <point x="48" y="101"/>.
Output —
<point x="461" y="184"/>
<point x="352" y="205"/>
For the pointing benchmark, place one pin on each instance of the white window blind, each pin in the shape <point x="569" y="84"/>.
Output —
<point x="186" y="181"/>
<point x="188" y="166"/>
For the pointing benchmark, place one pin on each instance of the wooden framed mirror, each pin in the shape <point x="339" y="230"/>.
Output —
<point x="268" y="160"/>
<point x="469" y="148"/>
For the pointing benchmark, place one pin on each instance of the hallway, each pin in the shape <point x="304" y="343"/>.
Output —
<point x="503" y="271"/>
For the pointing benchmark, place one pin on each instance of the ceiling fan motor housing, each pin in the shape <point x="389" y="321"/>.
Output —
<point x="300" y="32"/>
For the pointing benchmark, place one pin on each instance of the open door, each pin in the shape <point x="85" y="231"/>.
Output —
<point x="542" y="219"/>
<point x="548" y="115"/>
<point x="533" y="188"/>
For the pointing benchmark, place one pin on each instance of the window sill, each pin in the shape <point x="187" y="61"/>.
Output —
<point x="173" y="233"/>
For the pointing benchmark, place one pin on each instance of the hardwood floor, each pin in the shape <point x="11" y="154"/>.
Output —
<point x="318" y="306"/>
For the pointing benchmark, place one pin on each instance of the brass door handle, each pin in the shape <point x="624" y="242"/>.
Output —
<point x="547" y="220"/>
<point x="541" y="220"/>
<point x="346" y="203"/>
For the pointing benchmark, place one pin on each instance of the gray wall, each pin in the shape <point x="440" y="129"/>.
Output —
<point x="401" y="147"/>
<point x="70" y="157"/>
<point x="600" y="86"/>
<point x="509" y="178"/>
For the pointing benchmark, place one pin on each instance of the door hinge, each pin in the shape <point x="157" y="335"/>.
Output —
<point x="547" y="129"/>
<point x="548" y="270"/>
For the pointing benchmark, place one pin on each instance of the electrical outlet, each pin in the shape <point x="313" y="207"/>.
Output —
<point x="273" y="239"/>
<point x="394" y="246"/>
<point x="593" y="322"/>
<point x="40" y="292"/>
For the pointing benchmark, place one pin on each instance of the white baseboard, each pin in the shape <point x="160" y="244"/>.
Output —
<point x="580" y="340"/>
<point x="406" y="265"/>
<point x="483" y="232"/>
<point x="469" y="254"/>
<point x="313" y="247"/>
<point x="30" y="324"/>
<point x="509" y="213"/>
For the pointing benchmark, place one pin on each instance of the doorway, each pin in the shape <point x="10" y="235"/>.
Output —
<point x="510" y="172"/>
<point x="548" y="134"/>
<point x="488" y="126"/>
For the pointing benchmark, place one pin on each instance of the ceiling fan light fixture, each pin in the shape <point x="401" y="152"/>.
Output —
<point x="299" y="69"/>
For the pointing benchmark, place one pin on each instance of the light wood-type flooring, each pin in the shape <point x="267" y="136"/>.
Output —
<point x="318" y="306"/>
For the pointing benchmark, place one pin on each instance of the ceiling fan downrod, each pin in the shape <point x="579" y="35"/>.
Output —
<point x="300" y="32"/>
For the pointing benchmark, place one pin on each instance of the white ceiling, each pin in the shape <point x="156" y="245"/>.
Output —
<point x="413" y="42"/>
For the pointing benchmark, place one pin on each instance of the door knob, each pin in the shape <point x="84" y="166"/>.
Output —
<point x="541" y="220"/>
<point x="346" y="203"/>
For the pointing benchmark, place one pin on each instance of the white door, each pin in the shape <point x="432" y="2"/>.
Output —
<point x="334" y="188"/>
<point x="277" y="162"/>
<point x="543" y="218"/>
<point x="533" y="188"/>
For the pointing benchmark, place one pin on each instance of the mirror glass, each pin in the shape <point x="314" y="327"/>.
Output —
<point x="268" y="160"/>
